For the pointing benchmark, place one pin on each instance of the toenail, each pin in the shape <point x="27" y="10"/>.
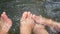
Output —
<point x="29" y="12"/>
<point x="40" y="15"/>
<point x="4" y="13"/>
<point x="25" y="12"/>
<point x="33" y="15"/>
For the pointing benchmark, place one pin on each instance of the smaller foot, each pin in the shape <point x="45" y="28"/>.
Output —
<point x="39" y="19"/>
<point x="5" y="23"/>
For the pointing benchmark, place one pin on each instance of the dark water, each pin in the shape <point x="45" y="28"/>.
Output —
<point x="14" y="9"/>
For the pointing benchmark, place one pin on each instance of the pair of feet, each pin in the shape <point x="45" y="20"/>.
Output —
<point x="28" y="24"/>
<point x="6" y="23"/>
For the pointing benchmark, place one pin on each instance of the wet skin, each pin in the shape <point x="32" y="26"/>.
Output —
<point x="5" y="23"/>
<point x="27" y="23"/>
<point x="39" y="29"/>
<point x="54" y="26"/>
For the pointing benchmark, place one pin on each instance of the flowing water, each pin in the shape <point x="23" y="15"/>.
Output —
<point x="14" y="9"/>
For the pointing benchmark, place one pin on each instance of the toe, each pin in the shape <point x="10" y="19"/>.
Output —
<point x="29" y="14"/>
<point x="24" y="16"/>
<point x="36" y="18"/>
<point x="4" y="16"/>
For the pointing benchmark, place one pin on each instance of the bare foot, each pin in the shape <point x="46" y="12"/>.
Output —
<point x="54" y="26"/>
<point x="39" y="29"/>
<point x="5" y="23"/>
<point x="39" y="19"/>
<point x="27" y="23"/>
<point x="42" y="20"/>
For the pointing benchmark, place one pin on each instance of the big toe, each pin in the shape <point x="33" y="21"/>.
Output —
<point x="29" y="15"/>
<point x="24" y="15"/>
<point x="4" y="16"/>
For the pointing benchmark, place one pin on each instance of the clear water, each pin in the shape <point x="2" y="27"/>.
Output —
<point x="14" y="9"/>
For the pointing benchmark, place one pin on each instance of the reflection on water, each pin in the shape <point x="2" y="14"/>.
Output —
<point x="15" y="8"/>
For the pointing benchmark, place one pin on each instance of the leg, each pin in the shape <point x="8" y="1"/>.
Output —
<point x="26" y="24"/>
<point x="39" y="29"/>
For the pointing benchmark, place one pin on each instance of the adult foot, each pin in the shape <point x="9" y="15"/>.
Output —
<point x="5" y="23"/>
<point x="39" y="19"/>
<point x="27" y="23"/>
<point x="54" y="26"/>
<point x="39" y="29"/>
<point x="42" y="20"/>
